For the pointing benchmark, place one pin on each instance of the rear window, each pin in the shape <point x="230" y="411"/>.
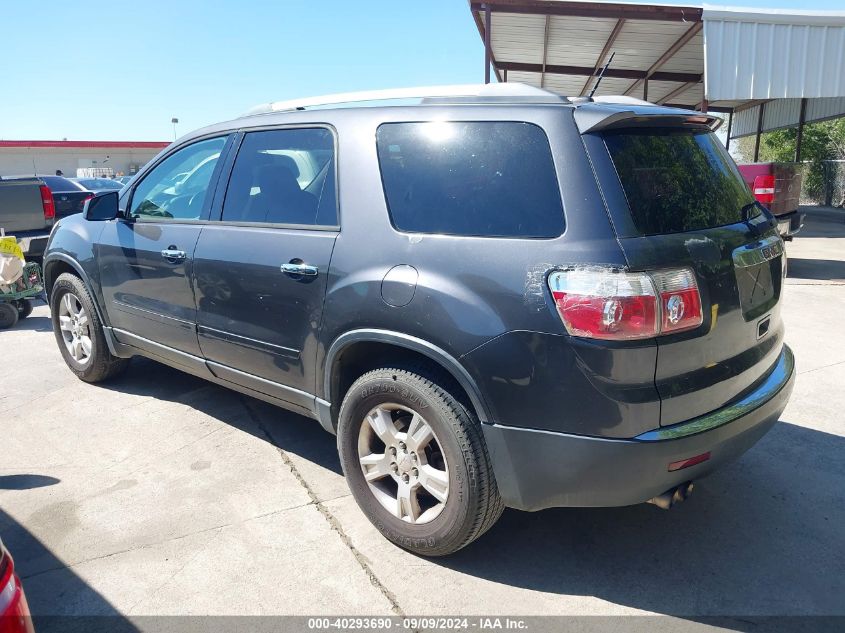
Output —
<point x="490" y="179"/>
<point x="57" y="183"/>
<point x="678" y="180"/>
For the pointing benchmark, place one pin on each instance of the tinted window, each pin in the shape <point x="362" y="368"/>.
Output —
<point x="177" y="187"/>
<point x="57" y="183"/>
<point x="283" y="177"/>
<point x="678" y="180"/>
<point x="482" y="178"/>
<point x="99" y="183"/>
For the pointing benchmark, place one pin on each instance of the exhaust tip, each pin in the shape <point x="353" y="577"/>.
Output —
<point x="672" y="496"/>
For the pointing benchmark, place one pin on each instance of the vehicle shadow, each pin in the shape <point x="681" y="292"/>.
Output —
<point x="823" y="269"/>
<point x="761" y="537"/>
<point x="822" y="222"/>
<point x="286" y="430"/>
<point x="55" y="593"/>
<point x="35" y="324"/>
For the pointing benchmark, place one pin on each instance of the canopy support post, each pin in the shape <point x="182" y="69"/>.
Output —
<point x="545" y="52"/>
<point x="759" y="132"/>
<point x="801" y="118"/>
<point x="730" y="124"/>
<point x="488" y="52"/>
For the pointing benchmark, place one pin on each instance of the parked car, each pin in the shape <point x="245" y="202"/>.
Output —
<point x="69" y="196"/>
<point x="778" y="187"/>
<point x="14" y="610"/>
<point x="29" y="205"/>
<point x="497" y="297"/>
<point x="123" y="180"/>
<point x="27" y="211"/>
<point x="98" y="184"/>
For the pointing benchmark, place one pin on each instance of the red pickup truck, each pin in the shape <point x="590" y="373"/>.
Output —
<point x="778" y="187"/>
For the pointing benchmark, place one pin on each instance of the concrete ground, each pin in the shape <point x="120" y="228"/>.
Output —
<point x="162" y="494"/>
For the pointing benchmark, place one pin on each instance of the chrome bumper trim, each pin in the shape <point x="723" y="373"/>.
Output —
<point x="774" y="382"/>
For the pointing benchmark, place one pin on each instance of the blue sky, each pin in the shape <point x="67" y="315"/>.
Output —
<point x="120" y="71"/>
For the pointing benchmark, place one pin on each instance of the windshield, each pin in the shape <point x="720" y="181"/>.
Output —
<point x="678" y="180"/>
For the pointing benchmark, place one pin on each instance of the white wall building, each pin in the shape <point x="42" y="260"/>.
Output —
<point x="45" y="157"/>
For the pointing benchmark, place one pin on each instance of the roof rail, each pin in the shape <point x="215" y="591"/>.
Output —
<point x="460" y="92"/>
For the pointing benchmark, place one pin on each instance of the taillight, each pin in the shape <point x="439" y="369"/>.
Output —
<point x="680" y="303"/>
<point x="608" y="304"/>
<point x="764" y="188"/>
<point x="47" y="203"/>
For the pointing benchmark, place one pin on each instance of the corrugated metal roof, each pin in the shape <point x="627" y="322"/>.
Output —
<point x="773" y="54"/>
<point x="557" y="44"/>
<point x="820" y="109"/>
<point x="783" y="113"/>
<point x="741" y="55"/>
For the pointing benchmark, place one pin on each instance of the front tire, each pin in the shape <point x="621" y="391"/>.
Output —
<point x="416" y="462"/>
<point x="79" y="332"/>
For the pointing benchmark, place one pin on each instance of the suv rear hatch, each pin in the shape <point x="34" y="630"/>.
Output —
<point x="677" y="200"/>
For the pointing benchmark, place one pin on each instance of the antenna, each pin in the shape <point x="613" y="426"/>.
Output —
<point x="601" y="74"/>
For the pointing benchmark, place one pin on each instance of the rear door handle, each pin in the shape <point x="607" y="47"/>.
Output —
<point x="299" y="268"/>
<point x="173" y="254"/>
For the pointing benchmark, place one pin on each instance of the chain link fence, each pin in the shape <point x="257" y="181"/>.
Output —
<point x="823" y="183"/>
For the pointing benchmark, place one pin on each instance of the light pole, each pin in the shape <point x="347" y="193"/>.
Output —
<point x="174" y="121"/>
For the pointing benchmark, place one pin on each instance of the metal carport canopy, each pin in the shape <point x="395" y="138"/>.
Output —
<point x="720" y="58"/>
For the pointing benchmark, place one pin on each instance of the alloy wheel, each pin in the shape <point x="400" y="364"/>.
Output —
<point x="75" y="327"/>
<point x="403" y="463"/>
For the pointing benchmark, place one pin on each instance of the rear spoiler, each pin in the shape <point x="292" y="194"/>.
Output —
<point x="596" y="117"/>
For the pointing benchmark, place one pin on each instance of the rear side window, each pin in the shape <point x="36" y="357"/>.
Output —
<point x="678" y="180"/>
<point x="57" y="183"/>
<point x="491" y="179"/>
<point x="284" y="177"/>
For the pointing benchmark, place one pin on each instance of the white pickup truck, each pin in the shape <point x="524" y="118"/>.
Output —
<point x="27" y="211"/>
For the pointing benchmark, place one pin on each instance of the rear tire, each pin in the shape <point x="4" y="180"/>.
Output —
<point x="8" y="315"/>
<point x="429" y="486"/>
<point x="79" y="332"/>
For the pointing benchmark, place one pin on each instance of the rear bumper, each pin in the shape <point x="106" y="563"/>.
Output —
<point x="790" y="223"/>
<point x="32" y="243"/>
<point x="541" y="469"/>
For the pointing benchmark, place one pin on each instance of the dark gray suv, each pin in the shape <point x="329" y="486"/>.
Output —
<point x="494" y="296"/>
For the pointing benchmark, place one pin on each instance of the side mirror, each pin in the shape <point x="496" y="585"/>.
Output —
<point x="103" y="206"/>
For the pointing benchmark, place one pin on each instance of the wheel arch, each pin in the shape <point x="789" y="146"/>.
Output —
<point x="58" y="263"/>
<point x="389" y="345"/>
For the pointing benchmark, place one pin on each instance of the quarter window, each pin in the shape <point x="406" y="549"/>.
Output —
<point x="492" y="179"/>
<point x="284" y="177"/>
<point x="177" y="187"/>
<point x="678" y="180"/>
